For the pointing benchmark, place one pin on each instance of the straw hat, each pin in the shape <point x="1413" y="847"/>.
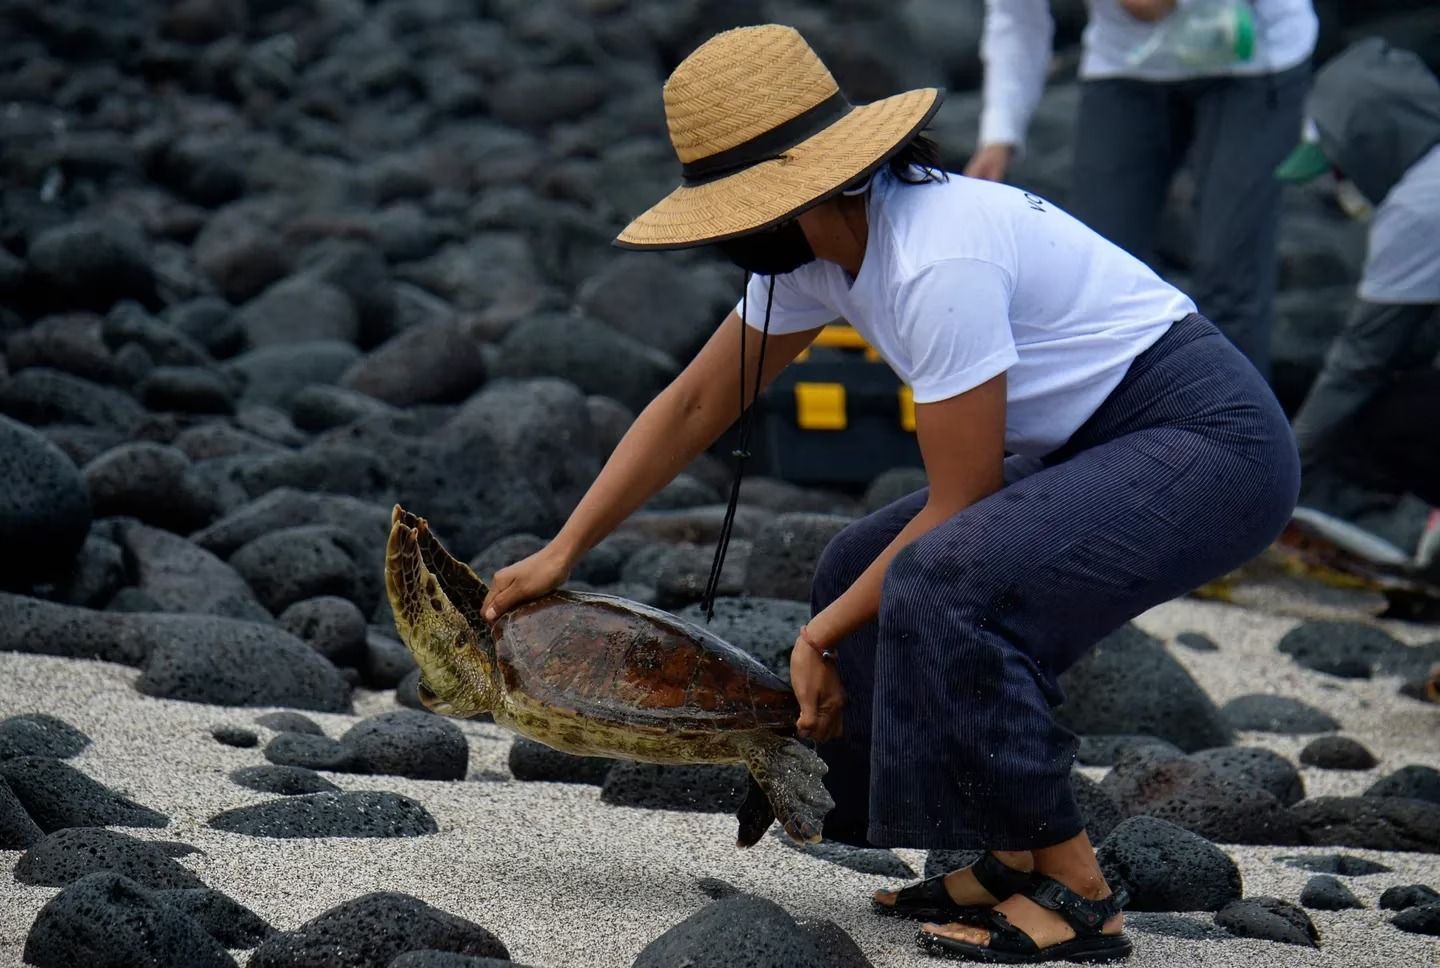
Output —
<point x="762" y="132"/>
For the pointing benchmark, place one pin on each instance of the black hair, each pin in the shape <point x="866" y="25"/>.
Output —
<point x="921" y="153"/>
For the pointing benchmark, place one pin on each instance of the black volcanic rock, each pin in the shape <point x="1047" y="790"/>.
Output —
<point x="1196" y="642"/>
<point x="231" y="663"/>
<point x="438" y="363"/>
<point x="1337" y="753"/>
<point x="446" y="959"/>
<point x="1168" y="868"/>
<point x="385" y="662"/>
<point x="364" y="813"/>
<point x="738" y="931"/>
<point x="69" y="854"/>
<point x="235" y="736"/>
<point x="287" y="721"/>
<point x="1408" y="896"/>
<point x="331" y="625"/>
<point x="40" y="396"/>
<point x="153" y="482"/>
<point x="1194" y="795"/>
<point x="1276" y="714"/>
<point x="44" y="506"/>
<point x="1424" y="919"/>
<point x="536" y="762"/>
<point x="372" y="930"/>
<point x="109" y="921"/>
<point x="702" y="788"/>
<point x="17" y="830"/>
<point x="1128" y="684"/>
<point x="1325" y="893"/>
<point x="785" y="554"/>
<point x="223" y="918"/>
<point x="1270" y="919"/>
<point x="187" y="389"/>
<point x="1416" y="782"/>
<point x="273" y="375"/>
<point x="1107" y="750"/>
<point x="291" y="565"/>
<point x="56" y="795"/>
<point x="287" y="508"/>
<point x="39" y="734"/>
<point x="587" y="353"/>
<point x="408" y="743"/>
<point x="97" y="574"/>
<point x="180" y="576"/>
<point x="319" y="407"/>
<point x="1342" y="864"/>
<point x="300" y="309"/>
<point x="92" y="264"/>
<point x="1370" y="822"/>
<point x="309" y="751"/>
<point x="1098" y="808"/>
<point x="1352" y="650"/>
<point x="288" y="781"/>
<point x="1259" y="767"/>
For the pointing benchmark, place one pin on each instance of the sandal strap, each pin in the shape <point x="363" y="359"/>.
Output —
<point x="930" y="891"/>
<point x="1087" y="917"/>
<point x="1001" y="881"/>
<point x="1004" y="936"/>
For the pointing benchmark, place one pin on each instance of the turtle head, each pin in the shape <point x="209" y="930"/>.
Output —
<point x="436" y="600"/>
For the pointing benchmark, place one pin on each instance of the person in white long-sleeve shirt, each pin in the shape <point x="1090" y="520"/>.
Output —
<point x="1141" y="118"/>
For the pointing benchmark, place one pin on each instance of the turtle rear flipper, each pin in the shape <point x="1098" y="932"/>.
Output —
<point x="789" y="772"/>
<point x="755" y="815"/>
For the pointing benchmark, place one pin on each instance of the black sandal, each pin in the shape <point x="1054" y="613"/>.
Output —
<point x="1011" y="946"/>
<point x="929" y="901"/>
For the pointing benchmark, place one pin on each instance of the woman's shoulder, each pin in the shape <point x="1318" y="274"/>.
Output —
<point x="948" y="217"/>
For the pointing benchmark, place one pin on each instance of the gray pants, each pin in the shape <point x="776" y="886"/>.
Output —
<point x="1132" y="136"/>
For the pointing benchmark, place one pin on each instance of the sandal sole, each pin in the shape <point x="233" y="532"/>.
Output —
<point x="1110" y="947"/>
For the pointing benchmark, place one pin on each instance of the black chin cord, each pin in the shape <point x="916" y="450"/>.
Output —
<point x="742" y="450"/>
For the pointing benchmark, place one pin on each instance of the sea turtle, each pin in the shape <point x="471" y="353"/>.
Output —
<point x="598" y="675"/>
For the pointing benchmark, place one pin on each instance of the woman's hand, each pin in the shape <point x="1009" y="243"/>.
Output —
<point x="542" y="572"/>
<point x="817" y="686"/>
<point x="1149" y="10"/>
<point x="991" y="162"/>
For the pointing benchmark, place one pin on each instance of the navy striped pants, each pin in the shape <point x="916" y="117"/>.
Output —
<point x="1187" y="470"/>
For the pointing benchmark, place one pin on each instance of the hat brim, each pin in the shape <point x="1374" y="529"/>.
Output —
<point x="772" y="191"/>
<point x="1305" y="163"/>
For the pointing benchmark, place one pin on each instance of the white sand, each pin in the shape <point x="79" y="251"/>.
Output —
<point x="565" y="880"/>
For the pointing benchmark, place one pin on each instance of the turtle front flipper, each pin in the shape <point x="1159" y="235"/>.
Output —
<point x="460" y="584"/>
<point x="789" y="773"/>
<point x="455" y="657"/>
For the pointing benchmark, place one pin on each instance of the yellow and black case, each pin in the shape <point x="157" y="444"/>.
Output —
<point x="838" y="415"/>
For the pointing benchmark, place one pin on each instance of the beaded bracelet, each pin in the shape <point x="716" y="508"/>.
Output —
<point x="826" y="654"/>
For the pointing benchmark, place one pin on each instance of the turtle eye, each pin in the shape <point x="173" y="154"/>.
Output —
<point x="462" y="639"/>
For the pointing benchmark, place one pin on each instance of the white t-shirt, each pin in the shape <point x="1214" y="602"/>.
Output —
<point x="1403" y="262"/>
<point x="965" y="279"/>
<point x="1018" y="34"/>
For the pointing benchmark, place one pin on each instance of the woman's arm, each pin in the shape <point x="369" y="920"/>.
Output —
<point x="684" y="419"/>
<point x="962" y="442"/>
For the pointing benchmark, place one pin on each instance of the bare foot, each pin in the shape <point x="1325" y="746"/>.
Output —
<point x="962" y="886"/>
